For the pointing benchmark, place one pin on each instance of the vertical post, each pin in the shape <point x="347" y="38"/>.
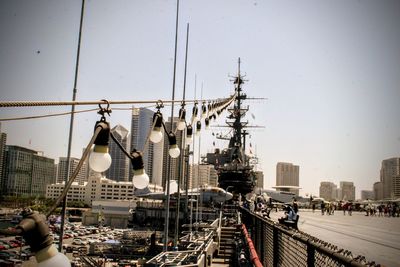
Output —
<point x="71" y="127"/>
<point x="276" y="246"/>
<point x="182" y="156"/>
<point x="310" y="254"/>
<point x="166" y="222"/>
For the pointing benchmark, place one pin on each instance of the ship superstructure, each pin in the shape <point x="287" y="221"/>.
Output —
<point x="235" y="173"/>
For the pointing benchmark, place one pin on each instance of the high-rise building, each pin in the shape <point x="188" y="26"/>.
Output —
<point x="141" y="124"/>
<point x="118" y="170"/>
<point x="378" y="191"/>
<point x="3" y="141"/>
<point x="348" y="191"/>
<point x="174" y="162"/>
<point x="328" y="191"/>
<point x="203" y="174"/>
<point x="62" y="171"/>
<point x="390" y="177"/>
<point x="287" y="174"/>
<point x="26" y="172"/>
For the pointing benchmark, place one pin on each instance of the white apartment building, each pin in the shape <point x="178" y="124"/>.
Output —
<point x="97" y="188"/>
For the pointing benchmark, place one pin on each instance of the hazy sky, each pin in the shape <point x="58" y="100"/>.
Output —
<point x="330" y="71"/>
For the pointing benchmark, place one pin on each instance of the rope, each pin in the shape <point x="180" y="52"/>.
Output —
<point x="70" y="103"/>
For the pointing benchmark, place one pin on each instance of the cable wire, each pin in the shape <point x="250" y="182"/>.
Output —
<point x="47" y="115"/>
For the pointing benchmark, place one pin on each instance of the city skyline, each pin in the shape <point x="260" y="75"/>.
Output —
<point x="334" y="193"/>
<point x="329" y="70"/>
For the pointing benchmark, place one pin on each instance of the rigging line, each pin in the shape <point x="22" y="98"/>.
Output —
<point x="47" y="115"/>
<point x="11" y="104"/>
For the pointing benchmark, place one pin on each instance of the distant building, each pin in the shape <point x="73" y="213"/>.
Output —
<point x="97" y="188"/>
<point x="347" y="191"/>
<point x="141" y="124"/>
<point x="3" y="141"/>
<point x="26" y="173"/>
<point x="62" y="171"/>
<point x="378" y="191"/>
<point x="114" y="213"/>
<point x="287" y="174"/>
<point x="202" y="174"/>
<point x="328" y="191"/>
<point x="119" y="169"/>
<point x="390" y="178"/>
<point x="260" y="179"/>
<point x="367" y="194"/>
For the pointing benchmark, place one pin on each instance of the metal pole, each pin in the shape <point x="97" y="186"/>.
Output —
<point x="182" y="156"/>
<point x="166" y="223"/>
<point x="71" y="127"/>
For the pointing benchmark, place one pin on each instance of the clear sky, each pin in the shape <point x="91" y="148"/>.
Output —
<point x="330" y="71"/>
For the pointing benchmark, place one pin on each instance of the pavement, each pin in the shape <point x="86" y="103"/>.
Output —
<point x="376" y="238"/>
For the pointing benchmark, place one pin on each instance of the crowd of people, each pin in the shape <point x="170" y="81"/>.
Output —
<point x="390" y="209"/>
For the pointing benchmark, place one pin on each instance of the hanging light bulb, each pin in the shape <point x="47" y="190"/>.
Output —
<point x="195" y="111"/>
<point x="198" y="128"/>
<point x="156" y="133"/>
<point x="174" y="150"/>
<point x="140" y="179"/>
<point x="36" y="233"/>
<point x="189" y="134"/>
<point x="203" y="111"/>
<point x="100" y="159"/>
<point x="182" y="122"/>
<point x="207" y="122"/>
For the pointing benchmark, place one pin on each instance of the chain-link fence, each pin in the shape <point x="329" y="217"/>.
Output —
<point x="278" y="245"/>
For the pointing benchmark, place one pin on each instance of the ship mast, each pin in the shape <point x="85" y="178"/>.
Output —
<point x="236" y="115"/>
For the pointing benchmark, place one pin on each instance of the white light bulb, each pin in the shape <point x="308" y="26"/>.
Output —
<point x="52" y="258"/>
<point x="174" y="151"/>
<point x="181" y="125"/>
<point x="156" y="135"/>
<point x="140" y="179"/>
<point x="99" y="159"/>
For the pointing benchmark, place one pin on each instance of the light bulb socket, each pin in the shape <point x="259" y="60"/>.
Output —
<point x="157" y="120"/>
<point x="137" y="160"/>
<point x="100" y="149"/>
<point x="203" y="110"/>
<point x="103" y="137"/>
<point x="189" y="131"/>
<point x="207" y="122"/>
<point x="198" y="126"/>
<point x="182" y="114"/>
<point x="171" y="139"/>
<point x="138" y="172"/>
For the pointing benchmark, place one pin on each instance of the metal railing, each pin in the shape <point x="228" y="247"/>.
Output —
<point x="278" y="245"/>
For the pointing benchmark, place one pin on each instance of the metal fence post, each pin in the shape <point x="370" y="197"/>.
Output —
<point x="310" y="254"/>
<point x="276" y="246"/>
